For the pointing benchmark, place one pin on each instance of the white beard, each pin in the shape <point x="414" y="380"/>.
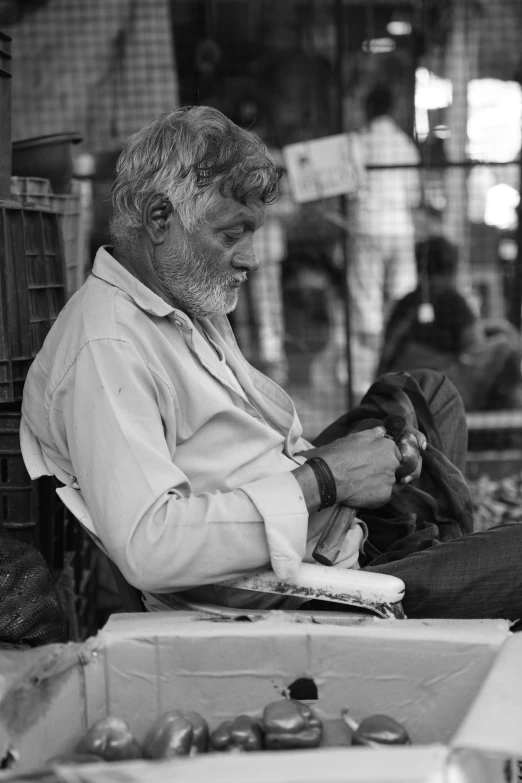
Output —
<point x="195" y="286"/>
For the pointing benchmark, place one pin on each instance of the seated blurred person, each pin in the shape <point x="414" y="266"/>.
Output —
<point x="435" y="327"/>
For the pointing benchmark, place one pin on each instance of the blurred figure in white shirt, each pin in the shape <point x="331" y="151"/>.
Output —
<point x="258" y="321"/>
<point x="382" y="262"/>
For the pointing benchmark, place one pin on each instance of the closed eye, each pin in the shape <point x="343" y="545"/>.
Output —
<point x="232" y="236"/>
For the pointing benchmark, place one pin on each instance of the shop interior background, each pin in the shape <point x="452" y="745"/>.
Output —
<point x="294" y="71"/>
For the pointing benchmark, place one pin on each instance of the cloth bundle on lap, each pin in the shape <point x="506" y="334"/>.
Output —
<point x="437" y="507"/>
<point x="30" y="612"/>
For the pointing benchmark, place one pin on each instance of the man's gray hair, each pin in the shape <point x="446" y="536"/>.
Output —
<point x="189" y="155"/>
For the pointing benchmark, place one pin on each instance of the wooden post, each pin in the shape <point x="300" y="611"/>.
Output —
<point x="461" y="66"/>
<point x="339" y="17"/>
<point x="5" y="116"/>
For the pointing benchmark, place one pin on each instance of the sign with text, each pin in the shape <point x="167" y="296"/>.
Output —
<point x="323" y="168"/>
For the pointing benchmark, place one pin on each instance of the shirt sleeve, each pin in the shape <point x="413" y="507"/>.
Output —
<point x="162" y="537"/>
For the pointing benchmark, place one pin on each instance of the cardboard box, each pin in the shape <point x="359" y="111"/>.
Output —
<point x="454" y="684"/>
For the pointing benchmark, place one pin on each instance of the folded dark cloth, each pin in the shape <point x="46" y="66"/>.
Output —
<point x="436" y="507"/>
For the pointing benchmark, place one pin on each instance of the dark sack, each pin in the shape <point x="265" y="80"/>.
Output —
<point x="30" y="612"/>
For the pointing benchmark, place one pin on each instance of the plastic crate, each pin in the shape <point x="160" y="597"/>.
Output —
<point x="32" y="290"/>
<point x="52" y="524"/>
<point x="30" y="510"/>
<point x="35" y="191"/>
<point x="31" y="191"/>
<point x="18" y="494"/>
<point x="32" y="513"/>
<point x="79" y="569"/>
<point x="86" y="594"/>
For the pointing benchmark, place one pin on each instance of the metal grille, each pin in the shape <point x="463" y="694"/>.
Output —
<point x="306" y="70"/>
<point x="332" y="271"/>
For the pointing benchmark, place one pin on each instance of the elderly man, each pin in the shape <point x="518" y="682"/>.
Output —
<point x="191" y="462"/>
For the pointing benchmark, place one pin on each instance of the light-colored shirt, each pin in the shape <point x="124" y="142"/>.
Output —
<point x="188" y="482"/>
<point x="387" y="196"/>
<point x="210" y="350"/>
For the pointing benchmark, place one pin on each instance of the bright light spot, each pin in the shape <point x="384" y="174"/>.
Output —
<point x="501" y="206"/>
<point x="480" y="181"/>
<point x="422" y="124"/>
<point x="379" y="45"/>
<point x="436" y="198"/>
<point x="398" y="27"/>
<point x="494" y="120"/>
<point x="442" y="132"/>
<point x="422" y="76"/>
<point x="453" y="773"/>
<point x="508" y="250"/>
<point x="431" y="92"/>
<point x="84" y="164"/>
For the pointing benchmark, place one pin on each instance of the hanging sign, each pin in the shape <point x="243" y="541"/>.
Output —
<point x="323" y="168"/>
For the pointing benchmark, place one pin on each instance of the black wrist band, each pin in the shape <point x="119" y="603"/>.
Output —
<point x="325" y="482"/>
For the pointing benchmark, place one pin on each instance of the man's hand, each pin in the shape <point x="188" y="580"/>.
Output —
<point x="411" y="443"/>
<point x="363" y="465"/>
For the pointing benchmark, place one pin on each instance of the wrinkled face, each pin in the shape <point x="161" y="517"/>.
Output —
<point x="202" y="270"/>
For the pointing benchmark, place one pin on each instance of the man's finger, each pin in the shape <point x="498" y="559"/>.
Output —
<point x="421" y="439"/>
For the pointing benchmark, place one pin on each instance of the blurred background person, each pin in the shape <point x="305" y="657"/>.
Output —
<point x="258" y="320"/>
<point x="436" y="327"/>
<point x="382" y="264"/>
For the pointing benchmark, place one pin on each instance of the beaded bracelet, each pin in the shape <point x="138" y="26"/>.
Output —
<point x="325" y="481"/>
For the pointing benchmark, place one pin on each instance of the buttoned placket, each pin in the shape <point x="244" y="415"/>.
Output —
<point x="187" y="332"/>
<point x="261" y="382"/>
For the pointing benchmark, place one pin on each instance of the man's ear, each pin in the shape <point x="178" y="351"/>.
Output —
<point x="157" y="213"/>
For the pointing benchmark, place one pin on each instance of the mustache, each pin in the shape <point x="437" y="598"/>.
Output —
<point x="242" y="278"/>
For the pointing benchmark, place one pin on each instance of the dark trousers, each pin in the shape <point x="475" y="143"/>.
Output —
<point x="477" y="576"/>
<point x="474" y="576"/>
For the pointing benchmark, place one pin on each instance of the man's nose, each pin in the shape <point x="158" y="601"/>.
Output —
<point x="245" y="257"/>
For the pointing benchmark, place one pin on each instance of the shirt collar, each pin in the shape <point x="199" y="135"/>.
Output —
<point x="107" y="268"/>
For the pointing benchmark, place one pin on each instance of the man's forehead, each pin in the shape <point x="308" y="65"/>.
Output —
<point x="228" y="211"/>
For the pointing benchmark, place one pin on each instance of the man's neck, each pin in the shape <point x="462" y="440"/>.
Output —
<point x="127" y="262"/>
<point x="141" y="267"/>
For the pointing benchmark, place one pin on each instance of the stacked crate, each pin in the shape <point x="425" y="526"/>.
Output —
<point x="32" y="293"/>
<point x="5" y="114"/>
<point x="36" y="191"/>
<point x="31" y="296"/>
<point x="31" y="290"/>
<point x="18" y="496"/>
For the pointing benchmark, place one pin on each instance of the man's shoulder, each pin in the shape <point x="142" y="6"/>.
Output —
<point x="98" y="312"/>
